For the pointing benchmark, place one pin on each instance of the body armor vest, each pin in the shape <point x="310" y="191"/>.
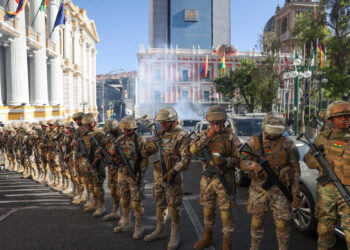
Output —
<point x="129" y="150"/>
<point x="338" y="152"/>
<point x="170" y="155"/>
<point x="220" y="144"/>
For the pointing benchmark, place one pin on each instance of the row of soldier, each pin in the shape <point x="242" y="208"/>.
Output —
<point x="71" y="157"/>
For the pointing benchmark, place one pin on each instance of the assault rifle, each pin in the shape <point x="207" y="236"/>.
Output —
<point x="105" y="154"/>
<point x="36" y="155"/>
<point x="213" y="171"/>
<point x="328" y="173"/>
<point x="125" y="161"/>
<point x="159" y="156"/>
<point x="272" y="178"/>
<point x="60" y="152"/>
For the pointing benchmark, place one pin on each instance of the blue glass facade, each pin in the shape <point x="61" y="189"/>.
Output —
<point x="196" y="32"/>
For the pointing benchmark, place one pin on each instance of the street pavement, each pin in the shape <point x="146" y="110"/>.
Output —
<point x="32" y="216"/>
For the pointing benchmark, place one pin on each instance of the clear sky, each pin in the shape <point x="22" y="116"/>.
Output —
<point x="122" y="26"/>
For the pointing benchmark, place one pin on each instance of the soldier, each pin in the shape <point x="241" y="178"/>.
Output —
<point x="283" y="157"/>
<point x="43" y="151"/>
<point x="133" y="147"/>
<point x="330" y="205"/>
<point x="10" y="147"/>
<point x="111" y="128"/>
<point x="176" y="157"/>
<point x="61" y="167"/>
<point x="18" y="147"/>
<point x="3" y="141"/>
<point x="78" y="162"/>
<point x="94" y="173"/>
<point x="53" y="157"/>
<point x="69" y="161"/>
<point x="222" y="144"/>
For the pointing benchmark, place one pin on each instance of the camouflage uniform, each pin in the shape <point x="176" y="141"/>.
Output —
<point x="176" y="157"/>
<point x="283" y="157"/>
<point x="3" y="139"/>
<point x="330" y="205"/>
<point x="225" y="157"/>
<point x="43" y="151"/>
<point x="10" y="148"/>
<point x="17" y="150"/>
<point x="133" y="148"/>
<point x="95" y="174"/>
<point x="112" y="128"/>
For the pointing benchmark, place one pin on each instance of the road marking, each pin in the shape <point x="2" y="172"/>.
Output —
<point x="33" y="194"/>
<point x="12" y="211"/>
<point x="195" y="220"/>
<point x="33" y="201"/>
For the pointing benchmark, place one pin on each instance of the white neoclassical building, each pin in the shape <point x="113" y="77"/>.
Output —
<point x="44" y="75"/>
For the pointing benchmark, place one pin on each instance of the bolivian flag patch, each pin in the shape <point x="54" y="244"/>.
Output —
<point x="338" y="144"/>
<point x="244" y="155"/>
<point x="268" y="152"/>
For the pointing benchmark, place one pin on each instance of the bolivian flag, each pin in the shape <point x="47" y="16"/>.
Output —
<point x="244" y="155"/>
<point x="222" y="63"/>
<point x="20" y="7"/>
<point x="43" y="5"/>
<point x="338" y="145"/>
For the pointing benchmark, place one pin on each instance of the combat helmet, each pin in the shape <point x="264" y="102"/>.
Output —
<point x="88" y="119"/>
<point x="274" y="123"/>
<point x="128" y="123"/>
<point x="166" y="114"/>
<point x="216" y="113"/>
<point x="78" y="115"/>
<point x="338" y="108"/>
<point x="110" y="125"/>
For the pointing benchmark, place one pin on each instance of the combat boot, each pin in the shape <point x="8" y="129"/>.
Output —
<point x="89" y="200"/>
<point x="205" y="241"/>
<point x="59" y="183"/>
<point x="124" y="224"/>
<point x="114" y="215"/>
<point x="227" y="243"/>
<point x="157" y="234"/>
<point x="174" y="241"/>
<point x="92" y="207"/>
<point x="100" y="209"/>
<point x="68" y="188"/>
<point x="78" y="199"/>
<point x="138" y="231"/>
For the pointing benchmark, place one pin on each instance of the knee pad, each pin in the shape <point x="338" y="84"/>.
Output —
<point x="282" y="226"/>
<point x="257" y="223"/>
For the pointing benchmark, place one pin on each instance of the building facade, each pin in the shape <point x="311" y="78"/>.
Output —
<point x="172" y="77"/>
<point x="189" y="23"/>
<point x="46" y="74"/>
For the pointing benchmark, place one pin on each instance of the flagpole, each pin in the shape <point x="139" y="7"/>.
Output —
<point x="53" y="28"/>
<point x="7" y="4"/>
<point x="36" y="15"/>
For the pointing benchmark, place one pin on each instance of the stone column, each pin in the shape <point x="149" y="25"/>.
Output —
<point x="38" y="85"/>
<point x="16" y="68"/>
<point x="55" y="86"/>
<point x="2" y="76"/>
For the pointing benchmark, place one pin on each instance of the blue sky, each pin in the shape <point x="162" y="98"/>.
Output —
<point x="122" y="26"/>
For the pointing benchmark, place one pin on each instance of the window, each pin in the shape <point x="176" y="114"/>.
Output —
<point x="184" y="75"/>
<point x="284" y="26"/>
<point x="157" y="75"/>
<point x="206" y="96"/>
<point x="184" y="96"/>
<point x="157" y="96"/>
<point x="208" y="76"/>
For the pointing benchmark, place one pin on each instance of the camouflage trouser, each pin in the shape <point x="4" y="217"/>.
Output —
<point x="259" y="202"/>
<point x="113" y="185"/>
<point x="330" y="207"/>
<point x="130" y="191"/>
<point x="86" y="174"/>
<point x="98" y="177"/>
<point x="11" y="160"/>
<point x="6" y="162"/>
<point x="174" y="193"/>
<point x="212" y="191"/>
<point x="53" y="162"/>
<point x="18" y="157"/>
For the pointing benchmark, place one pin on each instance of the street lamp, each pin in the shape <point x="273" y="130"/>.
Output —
<point x="297" y="72"/>
<point x="84" y="103"/>
<point x="319" y="80"/>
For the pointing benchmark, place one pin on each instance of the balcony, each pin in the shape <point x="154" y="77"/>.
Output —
<point x="8" y="26"/>
<point x="33" y="40"/>
<point x="51" y="49"/>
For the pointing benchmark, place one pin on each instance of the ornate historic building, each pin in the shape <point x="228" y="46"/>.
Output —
<point x="169" y="77"/>
<point x="46" y="74"/>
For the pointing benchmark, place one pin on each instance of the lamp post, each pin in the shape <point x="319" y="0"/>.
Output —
<point x="297" y="72"/>
<point x="84" y="103"/>
<point x="319" y="80"/>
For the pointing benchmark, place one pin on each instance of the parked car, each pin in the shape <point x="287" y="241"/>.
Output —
<point x="304" y="216"/>
<point x="201" y="126"/>
<point x="188" y="124"/>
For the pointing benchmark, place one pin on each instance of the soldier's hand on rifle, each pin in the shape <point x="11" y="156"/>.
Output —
<point x="170" y="176"/>
<point x="255" y="167"/>
<point x="218" y="160"/>
<point x="296" y="200"/>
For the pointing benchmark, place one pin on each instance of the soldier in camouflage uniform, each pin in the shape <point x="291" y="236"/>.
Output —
<point x="176" y="157"/>
<point x="78" y="162"/>
<point x="3" y="138"/>
<point x="17" y="148"/>
<point x="10" y="147"/>
<point x="330" y="205"/>
<point x="52" y="156"/>
<point x="71" y="171"/>
<point x="133" y="147"/>
<point x="95" y="173"/>
<point x="43" y="151"/>
<point x="283" y="157"/>
<point x="112" y="128"/>
<point x="223" y="145"/>
<point x="63" y="185"/>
